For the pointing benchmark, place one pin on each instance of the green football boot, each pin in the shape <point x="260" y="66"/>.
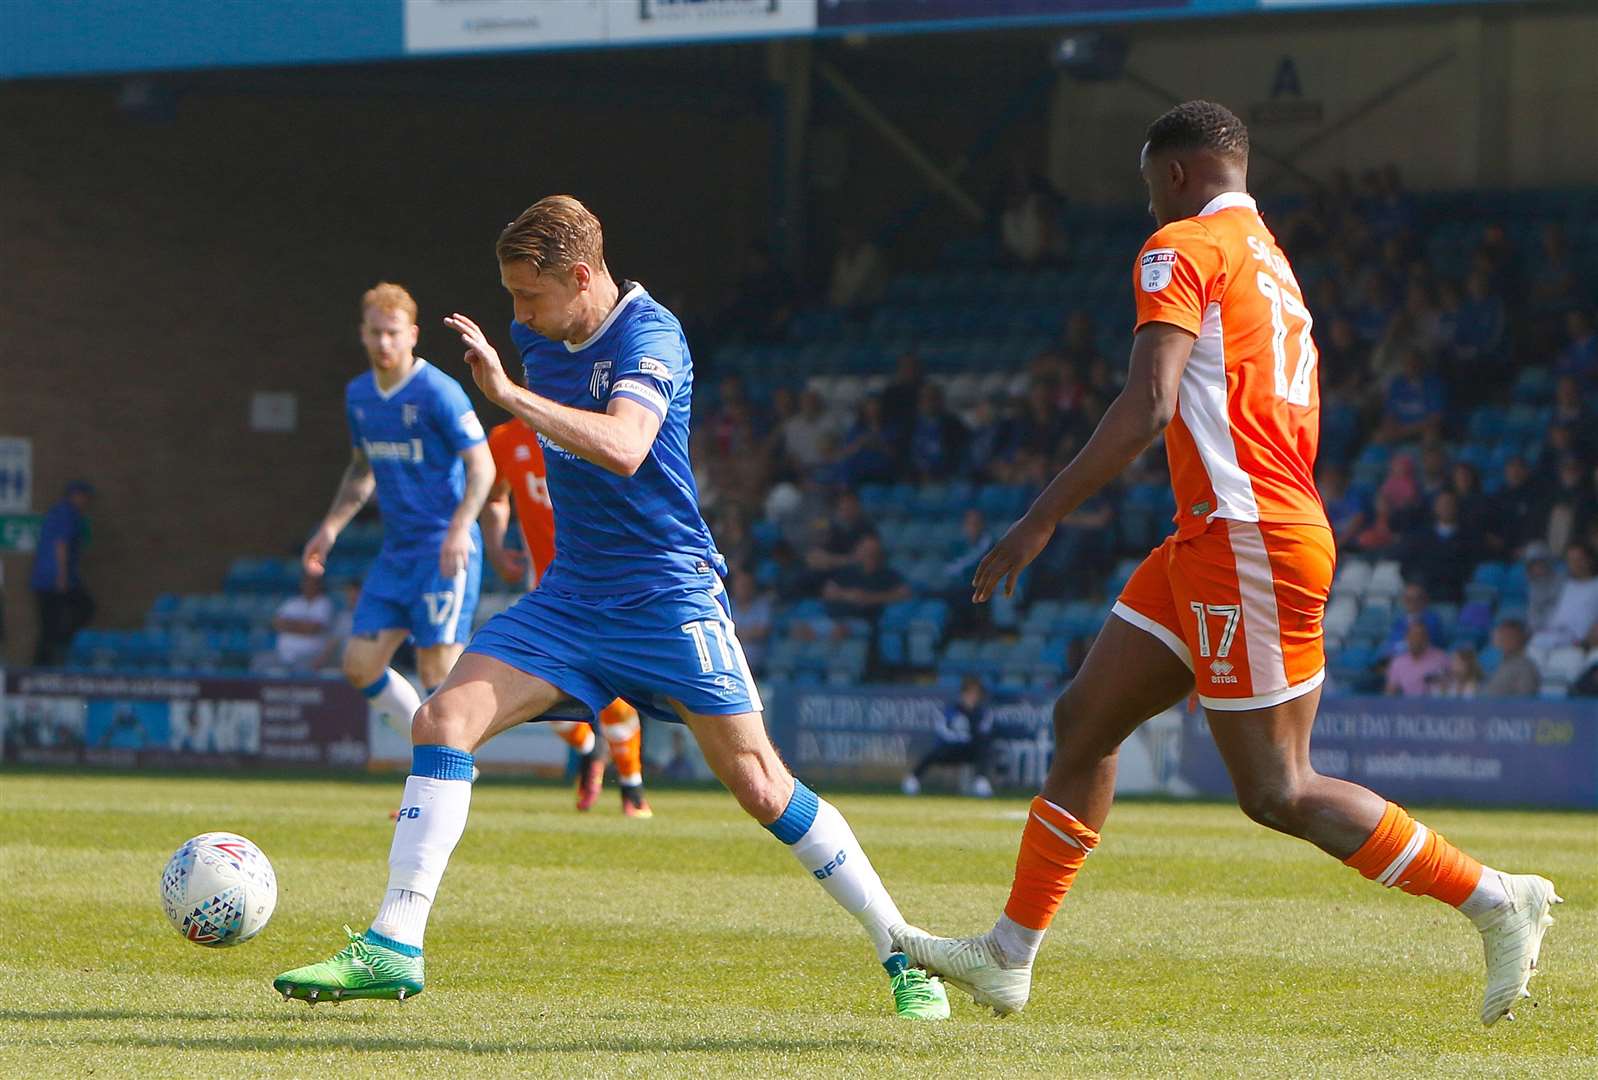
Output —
<point x="916" y="995"/>
<point x="366" y="968"/>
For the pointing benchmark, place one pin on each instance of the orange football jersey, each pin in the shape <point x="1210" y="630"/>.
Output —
<point x="1242" y="444"/>
<point x="519" y="461"/>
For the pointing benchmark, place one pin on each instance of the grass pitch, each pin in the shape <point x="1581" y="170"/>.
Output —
<point x="1195" y="943"/>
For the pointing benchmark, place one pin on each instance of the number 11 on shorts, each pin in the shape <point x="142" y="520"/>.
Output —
<point x="700" y="631"/>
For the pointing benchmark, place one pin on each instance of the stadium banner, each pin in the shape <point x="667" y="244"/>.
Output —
<point x="707" y="20"/>
<point x="473" y="25"/>
<point x="1475" y="752"/>
<point x="147" y="720"/>
<point x="526" y="749"/>
<point x="1478" y="752"/>
<point x="874" y="735"/>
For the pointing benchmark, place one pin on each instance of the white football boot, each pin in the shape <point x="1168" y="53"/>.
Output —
<point x="1511" y="937"/>
<point x="974" y="964"/>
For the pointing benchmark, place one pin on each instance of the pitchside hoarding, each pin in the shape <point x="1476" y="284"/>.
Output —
<point x="1478" y="752"/>
<point x="137" y="721"/>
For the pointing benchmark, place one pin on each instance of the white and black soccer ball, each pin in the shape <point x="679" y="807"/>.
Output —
<point x="218" y="889"/>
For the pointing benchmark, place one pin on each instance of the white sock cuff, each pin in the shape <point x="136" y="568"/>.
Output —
<point x="1018" y="943"/>
<point x="403" y="916"/>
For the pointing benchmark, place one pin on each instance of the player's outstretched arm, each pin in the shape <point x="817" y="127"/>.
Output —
<point x="617" y="440"/>
<point x="456" y="551"/>
<point x="354" y="488"/>
<point x="1139" y="413"/>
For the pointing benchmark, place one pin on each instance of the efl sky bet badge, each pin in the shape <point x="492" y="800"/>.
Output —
<point x="1155" y="268"/>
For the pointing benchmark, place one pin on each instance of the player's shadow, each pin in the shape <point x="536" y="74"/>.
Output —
<point x="616" y="1043"/>
<point x="57" y="1016"/>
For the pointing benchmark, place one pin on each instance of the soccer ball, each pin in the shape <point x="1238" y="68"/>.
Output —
<point x="218" y="889"/>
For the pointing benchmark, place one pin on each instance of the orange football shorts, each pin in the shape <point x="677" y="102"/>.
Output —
<point x="1241" y="603"/>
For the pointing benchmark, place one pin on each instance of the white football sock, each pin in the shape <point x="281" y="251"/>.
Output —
<point x="432" y="818"/>
<point x="829" y="850"/>
<point x="395" y="698"/>
<point x="1018" y="943"/>
<point x="403" y="916"/>
<point x="1488" y="896"/>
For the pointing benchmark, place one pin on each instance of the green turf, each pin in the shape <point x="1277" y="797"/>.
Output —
<point x="1195" y="944"/>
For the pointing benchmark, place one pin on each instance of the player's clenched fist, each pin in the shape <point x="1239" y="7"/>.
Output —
<point x="314" y="557"/>
<point x="487" y="372"/>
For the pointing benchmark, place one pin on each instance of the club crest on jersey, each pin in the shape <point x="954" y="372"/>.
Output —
<point x="408" y="414"/>
<point x="1154" y="268"/>
<point x="599" y="381"/>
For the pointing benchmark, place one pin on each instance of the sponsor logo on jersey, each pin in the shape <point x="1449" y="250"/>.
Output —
<point x="523" y="453"/>
<point x="599" y="381"/>
<point x="1202" y="507"/>
<point x="399" y="450"/>
<point x="470" y="426"/>
<point x="656" y="368"/>
<point x="556" y="448"/>
<point x="1154" y="268"/>
<point x="408" y="413"/>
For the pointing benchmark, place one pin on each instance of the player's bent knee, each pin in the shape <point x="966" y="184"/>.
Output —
<point x="360" y="672"/>
<point x="761" y="795"/>
<point x="438" y="724"/>
<point x="1276" y="804"/>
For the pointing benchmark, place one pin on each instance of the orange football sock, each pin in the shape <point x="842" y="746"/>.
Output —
<point x="1405" y="853"/>
<point x="1054" y="845"/>
<point x="625" y="737"/>
<point x="579" y="736"/>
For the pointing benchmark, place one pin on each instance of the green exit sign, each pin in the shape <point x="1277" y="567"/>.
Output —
<point x="19" y="532"/>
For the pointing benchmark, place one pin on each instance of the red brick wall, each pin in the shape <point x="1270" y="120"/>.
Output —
<point x="154" y="274"/>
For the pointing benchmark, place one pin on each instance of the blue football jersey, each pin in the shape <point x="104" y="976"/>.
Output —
<point x="413" y="435"/>
<point x="622" y="534"/>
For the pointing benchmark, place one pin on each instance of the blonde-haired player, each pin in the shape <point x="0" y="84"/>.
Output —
<point x="417" y="445"/>
<point x="520" y="478"/>
<point x="1223" y="364"/>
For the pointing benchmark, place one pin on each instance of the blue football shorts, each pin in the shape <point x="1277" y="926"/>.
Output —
<point x="649" y="648"/>
<point x="405" y="591"/>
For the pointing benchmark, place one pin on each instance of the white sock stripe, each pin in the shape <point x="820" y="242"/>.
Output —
<point x="1062" y="811"/>
<point x="1395" y="870"/>
<point x="1063" y="835"/>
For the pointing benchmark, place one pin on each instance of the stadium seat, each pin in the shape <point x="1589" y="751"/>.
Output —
<point x="1353" y="577"/>
<point x="1386" y="580"/>
<point x="1564" y="664"/>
